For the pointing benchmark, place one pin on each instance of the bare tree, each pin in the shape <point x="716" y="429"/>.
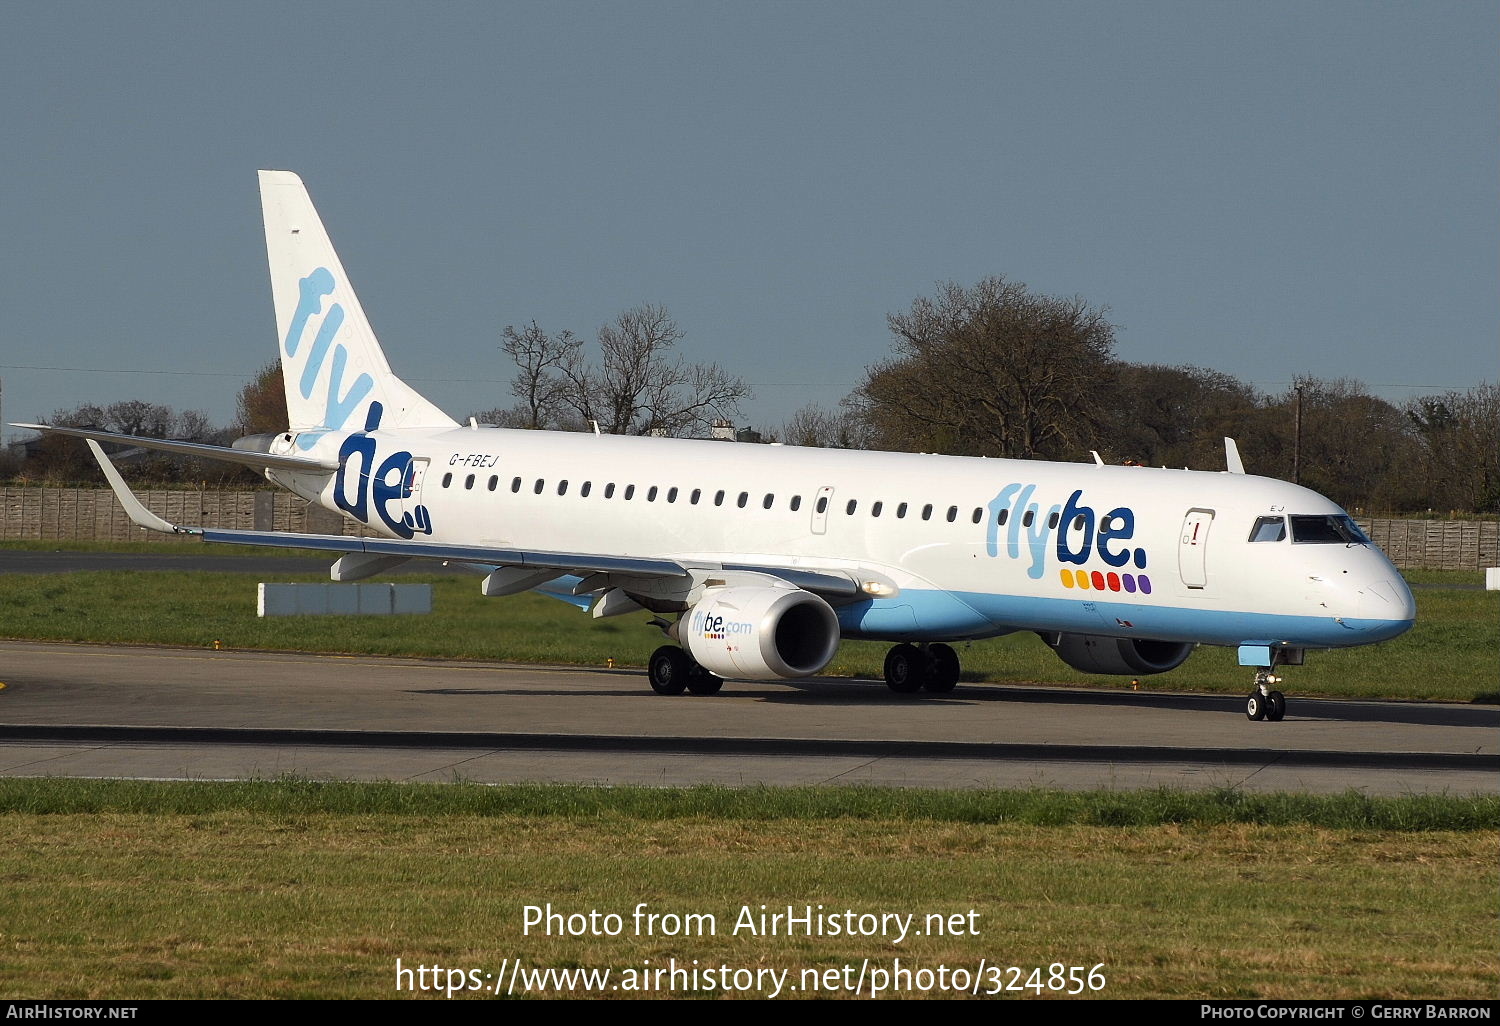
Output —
<point x="539" y="384"/>
<point x="814" y="426"/>
<point x="991" y="370"/>
<point x="639" y="386"/>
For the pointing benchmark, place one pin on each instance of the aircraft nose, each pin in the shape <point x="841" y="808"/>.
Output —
<point x="1389" y="603"/>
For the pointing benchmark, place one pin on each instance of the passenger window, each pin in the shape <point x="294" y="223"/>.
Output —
<point x="584" y="489"/>
<point x="540" y="484"/>
<point x="901" y="511"/>
<point x="952" y="514"/>
<point x="822" y="506"/>
<point x="562" y="487"/>
<point x="1003" y="517"/>
<point x="609" y="490"/>
<point x="447" y="480"/>
<point x="671" y="494"/>
<point x="744" y="498"/>
<point x="1268" y="529"/>
<point x="1028" y="518"/>
<point x="719" y="497"/>
<point x="979" y="514"/>
<point x="494" y="481"/>
<point x="515" y="484"/>
<point x="927" y="512"/>
<point x="767" y="501"/>
<point x="796" y="503"/>
<point x="697" y="494"/>
<point x="1051" y="521"/>
<point x="875" y="509"/>
<point x="651" y="494"/>
<point x="629" y="492"/>
<point x="469" y="481"/>
<point x="850" y="508"/>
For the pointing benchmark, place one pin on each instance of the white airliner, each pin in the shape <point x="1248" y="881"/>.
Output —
<point x="758" y="559"/>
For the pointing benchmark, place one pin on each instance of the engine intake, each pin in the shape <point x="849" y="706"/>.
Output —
<point x="1095" y="653"/>
<point x="760" y="633"/>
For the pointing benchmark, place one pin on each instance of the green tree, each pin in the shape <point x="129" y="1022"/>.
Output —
<point x="1460" y="435"/>
<point x="992" y="370"/>
<point x="261" y="405"/>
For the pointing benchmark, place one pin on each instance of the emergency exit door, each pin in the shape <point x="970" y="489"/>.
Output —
<point x="1192" y="554"/>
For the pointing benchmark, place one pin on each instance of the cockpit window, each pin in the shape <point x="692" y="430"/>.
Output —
<point x="1271" y="529"/>
<point x="1327" y="530"/>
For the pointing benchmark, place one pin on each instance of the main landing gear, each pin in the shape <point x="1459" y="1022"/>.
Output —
<point x="1263" y="703"/>
<point x="673" y="671"/>
<point x="912" y="668"/>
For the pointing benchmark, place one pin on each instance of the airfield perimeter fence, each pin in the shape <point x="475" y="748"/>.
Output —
<point x="90" y="514"/>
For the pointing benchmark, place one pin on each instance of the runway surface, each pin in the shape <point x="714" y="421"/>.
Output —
<point x="74" y="710"/>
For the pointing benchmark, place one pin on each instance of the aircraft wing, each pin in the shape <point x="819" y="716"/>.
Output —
<point x="833" y="585"/>
<point x="259" y="460"/>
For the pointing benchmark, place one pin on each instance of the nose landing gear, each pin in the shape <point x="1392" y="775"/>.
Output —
<point x="1263" y="703"/>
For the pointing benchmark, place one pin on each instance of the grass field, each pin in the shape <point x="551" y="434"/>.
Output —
<point x="138" y="890"/>
<point x="1449" y="655"/>
<point x="287" y="889"/>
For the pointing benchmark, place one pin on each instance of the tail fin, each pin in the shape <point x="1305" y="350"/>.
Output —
<point x="332" y="366"/>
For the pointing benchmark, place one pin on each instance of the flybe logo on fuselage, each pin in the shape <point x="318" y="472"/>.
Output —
<point x="336" y="408"/>
<point x="1071" y="532"/>
<point x="360" y="483"/>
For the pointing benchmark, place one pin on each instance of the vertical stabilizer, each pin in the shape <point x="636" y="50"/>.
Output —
<point x="333" y="366"/>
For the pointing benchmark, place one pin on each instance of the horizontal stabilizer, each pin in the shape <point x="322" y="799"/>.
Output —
<point x="245" y="457"/>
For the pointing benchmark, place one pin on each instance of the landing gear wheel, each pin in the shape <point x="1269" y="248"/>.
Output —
<point x="944" y="674"/>
<point x="905" y="669"/>
<point x="1275" y="706"/>
<point x="1255" y="706"/>
<point x="668" y="670"/>
<point x="701" y="682"/>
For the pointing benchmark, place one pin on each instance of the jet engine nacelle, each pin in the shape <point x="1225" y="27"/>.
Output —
<point x="760" y="633"/>
<point x="1094" y="653"/>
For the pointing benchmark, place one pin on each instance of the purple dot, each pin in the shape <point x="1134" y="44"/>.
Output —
<point x="1129" y="581"/>
<point x="1144" y="583"/>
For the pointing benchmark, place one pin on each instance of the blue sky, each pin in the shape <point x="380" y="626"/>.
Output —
<point x="1266" y="189"/>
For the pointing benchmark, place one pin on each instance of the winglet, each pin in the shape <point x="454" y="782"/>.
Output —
<point x="1232" y="457"/>
<point x="134" y="509"/>
<point x="1098" y="460"/>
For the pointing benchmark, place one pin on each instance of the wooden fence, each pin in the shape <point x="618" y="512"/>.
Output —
<point x="89" y="514"/>
<point x="93" y="514"/>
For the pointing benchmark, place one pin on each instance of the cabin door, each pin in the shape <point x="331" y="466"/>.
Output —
<point x="1192" y="554"/>
<point x="411" y="496"/>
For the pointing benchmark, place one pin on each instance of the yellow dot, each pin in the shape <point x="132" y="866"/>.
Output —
<point x="1067" y="577"/>
<point x="1083" y="579"/>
